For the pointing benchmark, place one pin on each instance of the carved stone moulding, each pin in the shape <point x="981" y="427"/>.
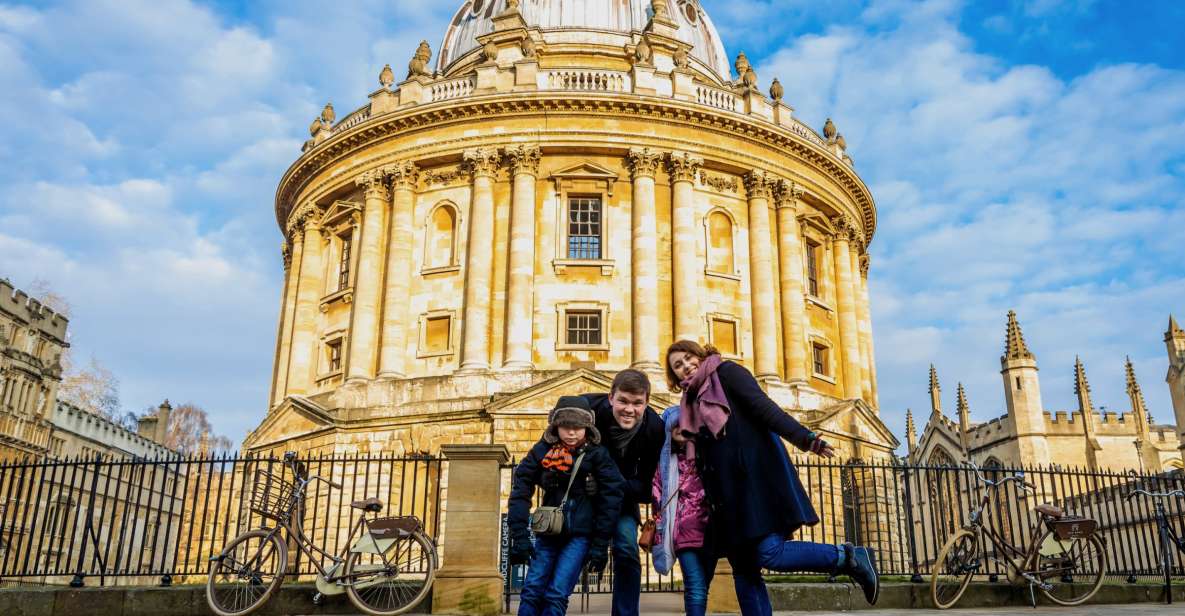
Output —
<point x="719" y="183"/>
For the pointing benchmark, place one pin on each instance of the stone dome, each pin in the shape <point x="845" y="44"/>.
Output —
<point x="475" y="18"/>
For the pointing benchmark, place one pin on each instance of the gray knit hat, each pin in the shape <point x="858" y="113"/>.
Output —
<point x="571" y="412"/>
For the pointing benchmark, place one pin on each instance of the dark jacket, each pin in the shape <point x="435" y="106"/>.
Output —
<point x="592" y="507"/>
<point x="640" y="459"/>
<point x="750" y="483"/>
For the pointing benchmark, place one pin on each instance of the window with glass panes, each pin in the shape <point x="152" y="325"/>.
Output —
<point x="584" y="228"/>
<point x="812" y="269"/>
<point x="820" y="358"/>
<point x="335" y="356"/>
<point x="343" y="269"/>
<point x="584" y="327"/>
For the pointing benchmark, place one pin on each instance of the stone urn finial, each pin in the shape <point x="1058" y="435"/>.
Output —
<point x="527" y="46"/>
<point x="419" y="62"/>
<point x="642" y="53"/>
<point x="660" y="9"/>
<point x="776" y="91"/>
<point x="829" y="130"/>
<point x="841" y="142"/>
<point x="489" y="51"/>
<point x="315" y="127"/>
<point x="750" y="78"/>
<point x="742" y="65"/>
<point x="387" y="76"/>
<point x="327" y="114"/>
<point x="681" y="58"/>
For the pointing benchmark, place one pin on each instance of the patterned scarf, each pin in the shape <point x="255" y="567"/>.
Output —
<point x="559" y="458"/>
<point x="704" y="404"/>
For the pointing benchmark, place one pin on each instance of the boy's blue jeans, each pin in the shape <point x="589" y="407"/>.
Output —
<point x="698" y="568"/>
<point x="552" y="575"/>
<point x="776" y="554"/>
<point x="627" y="568"/>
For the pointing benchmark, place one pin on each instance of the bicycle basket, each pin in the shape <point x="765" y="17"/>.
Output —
<point x="271" y="495"/>
<point x="1073" y="528"/>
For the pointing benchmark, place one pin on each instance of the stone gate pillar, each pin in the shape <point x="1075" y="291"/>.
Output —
<point x="469" y="582"/>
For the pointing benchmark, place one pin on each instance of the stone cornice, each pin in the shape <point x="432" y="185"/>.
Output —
<point x="683" y="166"/>
<point x="643" y="162"/>
<point x="423" y="117"/>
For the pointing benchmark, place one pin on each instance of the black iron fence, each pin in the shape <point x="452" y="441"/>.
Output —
<point x="907" y="512"/>
<point x="136" y="521"/>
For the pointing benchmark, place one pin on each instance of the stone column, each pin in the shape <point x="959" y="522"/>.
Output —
<point x="470" y="581"/>
<point x="520" y="292"/>
<point x="759" y="187"/>
<point x="846" y="307"/>
<point x="685" y="275"/>
<point x="303" y="365"/>
<point x="644" y="241"/>
<point x="397" y="287"/>
<point x="858" y="299"/>
<point x="479" y="260"/>
<point x="292" y="251"/>
<point x="865" y="327"/>
<point x="364" y="318"/>
<point x="790" y="264"/>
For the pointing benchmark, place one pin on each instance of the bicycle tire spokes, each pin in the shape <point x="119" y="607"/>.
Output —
<point x="1072" y="572"/>
<point x="395" y="581"/>
<point x="243" y="577"/>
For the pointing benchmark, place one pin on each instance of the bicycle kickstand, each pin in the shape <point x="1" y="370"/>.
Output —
<point x="1032" y="596"/>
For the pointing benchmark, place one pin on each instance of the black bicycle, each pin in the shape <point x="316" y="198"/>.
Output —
<point x="1169" y="538"/>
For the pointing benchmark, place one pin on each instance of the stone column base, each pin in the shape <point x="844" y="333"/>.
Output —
<point x="460" y="591"/>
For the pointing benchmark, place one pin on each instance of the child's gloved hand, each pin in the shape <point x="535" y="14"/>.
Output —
<point x="597" y="558"/>
<point x="521" y="552"/>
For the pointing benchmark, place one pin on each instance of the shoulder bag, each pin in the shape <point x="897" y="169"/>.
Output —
<point x="550" y="520"/>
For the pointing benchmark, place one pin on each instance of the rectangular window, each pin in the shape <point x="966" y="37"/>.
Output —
<point x="724" y="337"/>
<point x="584" y="228"/>
<point x="812" y="269"/>
<point x="436" y="334"/>
<point x="343" y="269"/>
<point x="584" y="327"/>
<point x="335" y="355"/>
<point x="819" y="357"/>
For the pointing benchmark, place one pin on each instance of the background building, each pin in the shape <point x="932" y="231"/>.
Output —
<point x="1030" y="435"/>
<point x="563" y="195"/>
<point x="32" y="340"/>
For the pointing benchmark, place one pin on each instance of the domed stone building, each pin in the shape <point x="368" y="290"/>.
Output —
<point x="568" y="188"/>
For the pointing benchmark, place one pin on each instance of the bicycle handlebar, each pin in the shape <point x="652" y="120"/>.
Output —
<point x="1018" y="476"/>
<point x="1133" y="493"/>
<point x="332" y="484"/>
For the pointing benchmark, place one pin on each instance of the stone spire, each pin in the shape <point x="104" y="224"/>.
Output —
<point x="935" y="392"/>
<point x="1139" y="407"/>
<point x="911" y="432"/>
<point x="1174" y="330"/>
<point x="1014" y="341"/>
<point x="1174" y="342"/>
<point x="1082" y="388"/>
<point x="964" y="418"/>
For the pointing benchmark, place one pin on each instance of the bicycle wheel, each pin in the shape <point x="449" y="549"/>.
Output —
<point x="395" y="581"/>
<point x="246" y="573"/>
<point x="957" y="562"/>
<point x="1074" y="568"/>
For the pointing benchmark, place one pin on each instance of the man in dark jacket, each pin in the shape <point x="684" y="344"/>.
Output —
<point x="634" y="436"/>
<point x="576" y="475"/>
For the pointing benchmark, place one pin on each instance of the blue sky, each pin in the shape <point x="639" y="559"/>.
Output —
<point x="1026" y="155"/>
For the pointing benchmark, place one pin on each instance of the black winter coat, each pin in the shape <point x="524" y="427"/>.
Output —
<point x="752" y="487"/>
<point x="640" y="459"/>
<point x="592" y="507"/>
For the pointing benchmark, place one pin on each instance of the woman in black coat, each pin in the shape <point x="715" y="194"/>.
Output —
<point x="757" y="501"/>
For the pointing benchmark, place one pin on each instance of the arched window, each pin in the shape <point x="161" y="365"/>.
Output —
<point x="440" y="238"/>
<point x="943" y="484"/>
<point x="721" y="254"/>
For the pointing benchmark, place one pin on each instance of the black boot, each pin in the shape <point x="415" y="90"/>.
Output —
<point x="860" y="565"/>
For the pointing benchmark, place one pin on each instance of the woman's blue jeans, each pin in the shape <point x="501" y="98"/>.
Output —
<point x="552" y="575"/>
<point x="698" y="568"/>
<point x="776" y="554"/>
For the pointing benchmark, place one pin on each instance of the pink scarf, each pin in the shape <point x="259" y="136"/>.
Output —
<point x="704" y="403"/>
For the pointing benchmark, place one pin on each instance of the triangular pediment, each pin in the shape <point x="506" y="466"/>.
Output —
<point x="818" y="220"/>
<point x="587" y="171"/>
<point x="857" y="421"/>
<point x="295" y="417"/>
<point x="338" y="211"/>
<point x="541" y="397"/>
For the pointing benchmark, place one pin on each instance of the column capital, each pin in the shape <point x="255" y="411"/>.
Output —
<point x="301" y="217"/>
<point x="643" y="162"/>
<point x="683" y="166"/>
<point x="846" y="229"/>
<point x="865" y="263"/>
<point x="402" y="175"/>
<point x="375" y="182"/>
<point x="286" y="254"/>
<point x="787" y="194"/>
<point x="759" y="184"/>
<point x="524" y="159"/>
<point x="482" y="162"/>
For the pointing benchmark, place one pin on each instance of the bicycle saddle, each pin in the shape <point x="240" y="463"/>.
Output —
<point x="370" y="504"/>
<point x="1049" y="511"/>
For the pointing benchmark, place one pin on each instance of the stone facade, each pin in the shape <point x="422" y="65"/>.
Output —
<point x="32" y="340"/>
<point x="552" y="205"/>
<point x="1030" y="435"/>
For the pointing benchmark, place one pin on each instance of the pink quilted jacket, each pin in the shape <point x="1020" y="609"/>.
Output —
<point x="691" y="518"/>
